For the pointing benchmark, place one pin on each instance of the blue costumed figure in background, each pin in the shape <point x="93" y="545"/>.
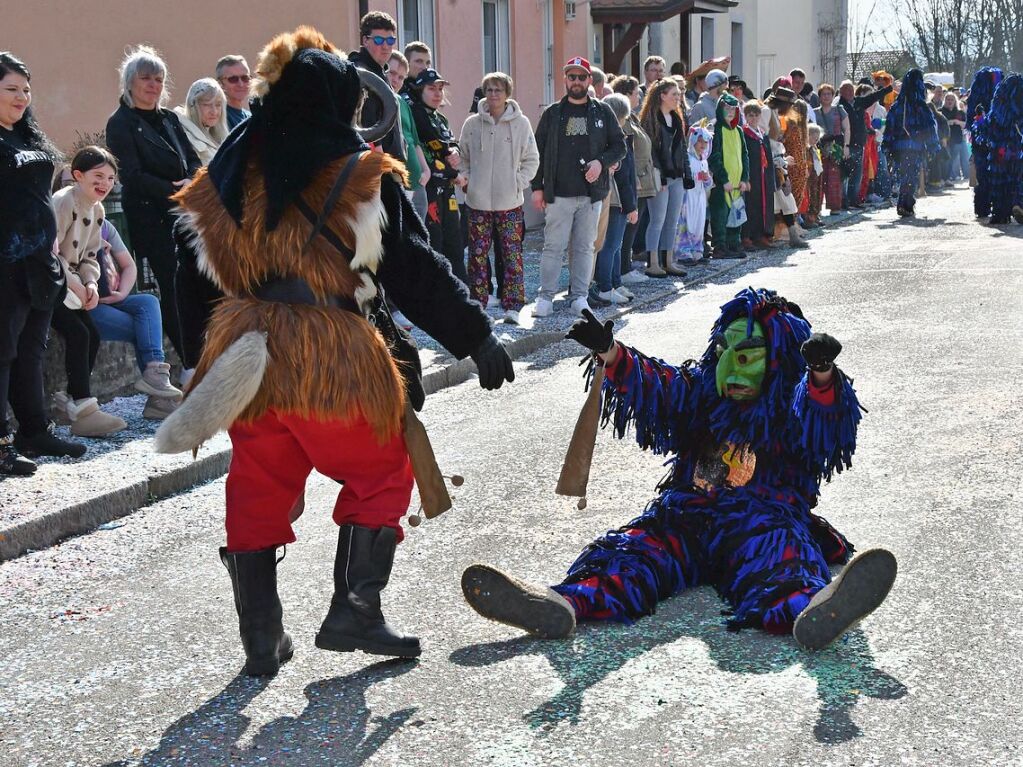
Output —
<point x="1000" y="134"/>
<point x="910" y="135"/>
<point x="977" y="106"/>
<point x="753" y="429"/>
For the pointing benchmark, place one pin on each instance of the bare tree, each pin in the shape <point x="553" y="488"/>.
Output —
<point x="860" y="32"/>
<point x="957" y="36"/>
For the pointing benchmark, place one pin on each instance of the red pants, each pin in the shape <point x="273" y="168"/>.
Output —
<point x="273" y="457"/>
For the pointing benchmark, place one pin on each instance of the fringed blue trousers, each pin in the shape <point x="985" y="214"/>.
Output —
<point x="908" y="164"/>
<point x="1006" y="182"/>
<point x="767" y="560"/>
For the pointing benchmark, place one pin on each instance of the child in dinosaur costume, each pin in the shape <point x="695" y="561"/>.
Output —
<point x="753" y="429"/>
<point x="1000" y="134"/>
<point x="301" y="228"/>
<point x="729" y="165"/>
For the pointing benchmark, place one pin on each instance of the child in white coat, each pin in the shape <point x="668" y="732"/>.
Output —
<point x="688" y="248"/>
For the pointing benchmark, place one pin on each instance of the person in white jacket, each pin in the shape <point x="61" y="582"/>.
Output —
<point x="204" y="117"/>
<point x="499" y="160"/>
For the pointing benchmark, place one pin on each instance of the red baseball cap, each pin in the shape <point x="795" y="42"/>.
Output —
<point x="578" y="62"/>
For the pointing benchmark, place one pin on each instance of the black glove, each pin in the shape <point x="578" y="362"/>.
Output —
<point x="688" y="181"/>
<point x="819" y="351"/>
<point x="590" y="333"/>
<point x="493" y="363"/>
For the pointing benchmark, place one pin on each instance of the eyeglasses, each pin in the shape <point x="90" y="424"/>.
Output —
<point x="235" y="79"/>
<point x="578" y="78"/>
<point x="380" y="40"/>
<point x="494" y="90"/>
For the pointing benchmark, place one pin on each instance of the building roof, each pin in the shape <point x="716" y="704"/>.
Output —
<point x="629" y="11"/>
<point x="896" y="62"/>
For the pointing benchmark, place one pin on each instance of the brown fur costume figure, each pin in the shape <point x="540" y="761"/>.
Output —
<point x="301" y="228"/>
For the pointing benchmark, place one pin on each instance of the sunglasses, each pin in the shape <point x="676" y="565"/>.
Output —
<point x="380" y="40"/>
<point x="578" y="78"/>
<point x="235" y="79"/>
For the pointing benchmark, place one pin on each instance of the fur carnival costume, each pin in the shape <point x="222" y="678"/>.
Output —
<point x="998" y="134"/>
<point x="734" y="510"/>
<point x="910" y="136"/>
<point x="982" y="90"/>
<point x="301" y="228"/>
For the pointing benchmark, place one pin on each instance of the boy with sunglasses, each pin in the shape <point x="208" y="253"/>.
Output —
<point x="378" y="32"/>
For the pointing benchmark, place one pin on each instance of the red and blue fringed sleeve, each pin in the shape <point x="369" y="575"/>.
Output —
<point x="828" y="424"/>
<point x="651" y="395"/>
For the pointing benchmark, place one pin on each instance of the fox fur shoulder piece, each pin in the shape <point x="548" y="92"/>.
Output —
<point x="324" y="362"/>
<point x="282" y="49"/>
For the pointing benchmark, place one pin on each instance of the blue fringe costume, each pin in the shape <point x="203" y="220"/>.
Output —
<point x="977" y="107"/>
<point x="999" y="134"/>
<point x="910" y="135"/>
<point x="734" y="511"/>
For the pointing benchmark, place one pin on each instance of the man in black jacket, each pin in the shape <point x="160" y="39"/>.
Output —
<point x="856" y="107"/>
<point x="378" y="32"/>
<point x="579" y="140"/>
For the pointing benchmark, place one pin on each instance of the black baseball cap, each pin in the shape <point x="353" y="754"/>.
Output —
<point x="428" y="77"/>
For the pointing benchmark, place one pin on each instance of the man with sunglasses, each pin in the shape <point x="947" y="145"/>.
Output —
<point x="579" y="139"/>
<point x="233" y="76"/>
<point x="379" y="36"/>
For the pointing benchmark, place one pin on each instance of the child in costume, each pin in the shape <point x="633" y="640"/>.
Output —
<point x="979" y="104"/>
<point x="688" y="248"/>
<point x="729" y="167"/>
<point x="302" y="227"/>
<point x="758" y="231"/>
<point x="1001" y="135"/>
<point x="910" y="135"/>
<point x="753" y="429"/>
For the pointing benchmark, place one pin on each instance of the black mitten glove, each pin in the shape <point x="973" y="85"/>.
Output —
<point x="494" y="364"/>
<point x="688" y="181"/>
<point x="819" y="351"/>
<point x="591" y="333"/>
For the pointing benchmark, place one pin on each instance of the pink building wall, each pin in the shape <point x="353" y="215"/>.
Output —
<point x="74" y="59"/>
<point x="74" y="54"/>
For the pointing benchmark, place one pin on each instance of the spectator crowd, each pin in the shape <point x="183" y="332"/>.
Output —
<point x="637" y="180"/>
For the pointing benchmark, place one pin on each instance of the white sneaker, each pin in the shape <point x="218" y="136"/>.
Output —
<point x="625" y="293"/>
<point x="581" y="304"/>
<point x="511" y="316"/>
<point x="401" y="320"/>
<point x="633" y="277"/>
<point x="544" y="307"/>
<point x="611" y="296"/>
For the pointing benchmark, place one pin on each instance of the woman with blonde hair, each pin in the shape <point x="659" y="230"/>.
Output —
<point x="204" y="117"/>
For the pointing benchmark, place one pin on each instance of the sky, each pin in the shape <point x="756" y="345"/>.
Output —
<point x="883" y="18"/>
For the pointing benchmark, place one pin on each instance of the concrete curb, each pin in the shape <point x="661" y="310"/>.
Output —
<point x="88" y="515"/>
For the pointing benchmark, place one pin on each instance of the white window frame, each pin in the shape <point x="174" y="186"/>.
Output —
<point x="423" y="10"/>
<point x="502" y="39"/>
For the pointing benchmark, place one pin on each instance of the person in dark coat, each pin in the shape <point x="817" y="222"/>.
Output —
<point x="378" y="31"/>
<point x="759" y="227"/>
<point x="156" y="160"/>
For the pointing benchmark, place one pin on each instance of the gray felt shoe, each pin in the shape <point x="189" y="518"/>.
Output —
<point x="854" y="593"/>
<point x="542" y="612"/>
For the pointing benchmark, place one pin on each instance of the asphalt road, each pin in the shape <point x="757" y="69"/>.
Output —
<point x="120" y="647"/>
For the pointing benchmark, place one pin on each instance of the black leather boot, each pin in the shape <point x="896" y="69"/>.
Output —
<point x="254" y="579"/>
<point x="361" y="570"/>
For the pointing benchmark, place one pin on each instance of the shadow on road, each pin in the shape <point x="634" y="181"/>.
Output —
<point x="844" y="672"/>
<point x="336" y="729"/>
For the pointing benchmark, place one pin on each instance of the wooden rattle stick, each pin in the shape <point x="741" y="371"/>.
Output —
<point x="575" y="471"/>
<point x="433" y="493"/>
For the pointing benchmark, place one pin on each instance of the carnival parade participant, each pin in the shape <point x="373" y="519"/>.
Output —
<point x="977" y="106"/>
<point x="910" y="135"/>
<point x="1000" y="135"/>
<point x="302" y="228"/>
<point x="754" y="427"/>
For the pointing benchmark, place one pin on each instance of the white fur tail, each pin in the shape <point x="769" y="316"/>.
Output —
<point x="228" y="387"/>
